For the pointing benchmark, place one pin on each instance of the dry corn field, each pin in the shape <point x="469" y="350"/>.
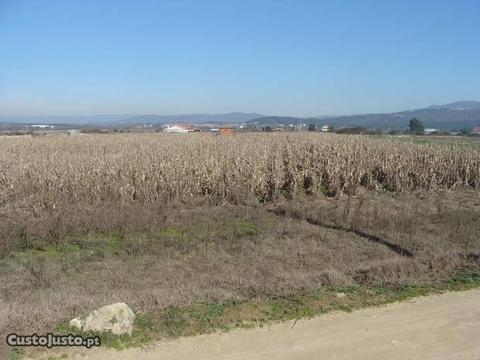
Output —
<point x="158" y="220"/>
<point x="39" y="172"/>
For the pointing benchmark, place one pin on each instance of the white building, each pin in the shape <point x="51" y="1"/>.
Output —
<point x="42" y="126"/>
<point x="177" y="129"/>
<point x="326" y="128"/>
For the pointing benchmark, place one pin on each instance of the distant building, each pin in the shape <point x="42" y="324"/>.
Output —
<point x="326" y="128"/>
<point x="180" y="129"/>
<point x="476" y="130"/>
<point x="226" y="131"/>
<point x="429" y="131"/>
<point x="42" y="126"/>
<point x="223" y="131"/>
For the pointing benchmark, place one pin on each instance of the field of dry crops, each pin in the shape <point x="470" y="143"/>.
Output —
<point x="157" y="220"/>
<point x="41" y="172"/>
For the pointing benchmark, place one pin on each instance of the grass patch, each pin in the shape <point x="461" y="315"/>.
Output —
<point x="15" y="354"/>
<point x="98" y="246"/>
<point x="178" y="321"/>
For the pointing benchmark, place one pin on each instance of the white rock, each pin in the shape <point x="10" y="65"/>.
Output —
<point x="341" y="295"/>
<point x="117" y="318"/>
<point x="76" y="323"/>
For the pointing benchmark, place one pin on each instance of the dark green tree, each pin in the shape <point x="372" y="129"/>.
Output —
<point x="311" y="127"/>
<point x="416" y="126"/>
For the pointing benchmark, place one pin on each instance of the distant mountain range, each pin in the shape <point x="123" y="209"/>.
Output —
<point x="457" y="115"/>
<point x="112" y="120"/>
<point x="459" y="106"/>
<point x="235" y="117"/>
<point x="69" y="119"/>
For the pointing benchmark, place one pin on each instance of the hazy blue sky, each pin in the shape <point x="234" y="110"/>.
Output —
<point x="274" y="57"/>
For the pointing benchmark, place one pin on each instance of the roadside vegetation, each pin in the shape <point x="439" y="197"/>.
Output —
<point x="203" y="318"/>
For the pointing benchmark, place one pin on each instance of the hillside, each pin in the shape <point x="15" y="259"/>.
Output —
<point x="234" y="117"/>
<point x="281" y="120"/>
<point x="127" y="120"/>
<point x="453" y="116"/>
<point x="459" y="105"/>
<point x="458" y="115"/>
<point x="60" y="119"/>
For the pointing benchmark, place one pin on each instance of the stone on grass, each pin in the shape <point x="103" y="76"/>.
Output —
<point x="117" y="318"/>
<point x="76" y="323"/>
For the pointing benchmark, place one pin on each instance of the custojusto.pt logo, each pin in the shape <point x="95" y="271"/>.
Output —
<point x="51" y="340"/>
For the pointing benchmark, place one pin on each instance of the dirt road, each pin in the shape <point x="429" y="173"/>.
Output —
<point x="437" y="327"/>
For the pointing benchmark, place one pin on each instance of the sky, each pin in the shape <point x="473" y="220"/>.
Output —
<point x="299" y="57"/>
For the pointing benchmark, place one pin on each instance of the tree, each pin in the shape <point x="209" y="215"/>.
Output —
<point x="416" y="126"/>
<point x="311" y="127"/>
